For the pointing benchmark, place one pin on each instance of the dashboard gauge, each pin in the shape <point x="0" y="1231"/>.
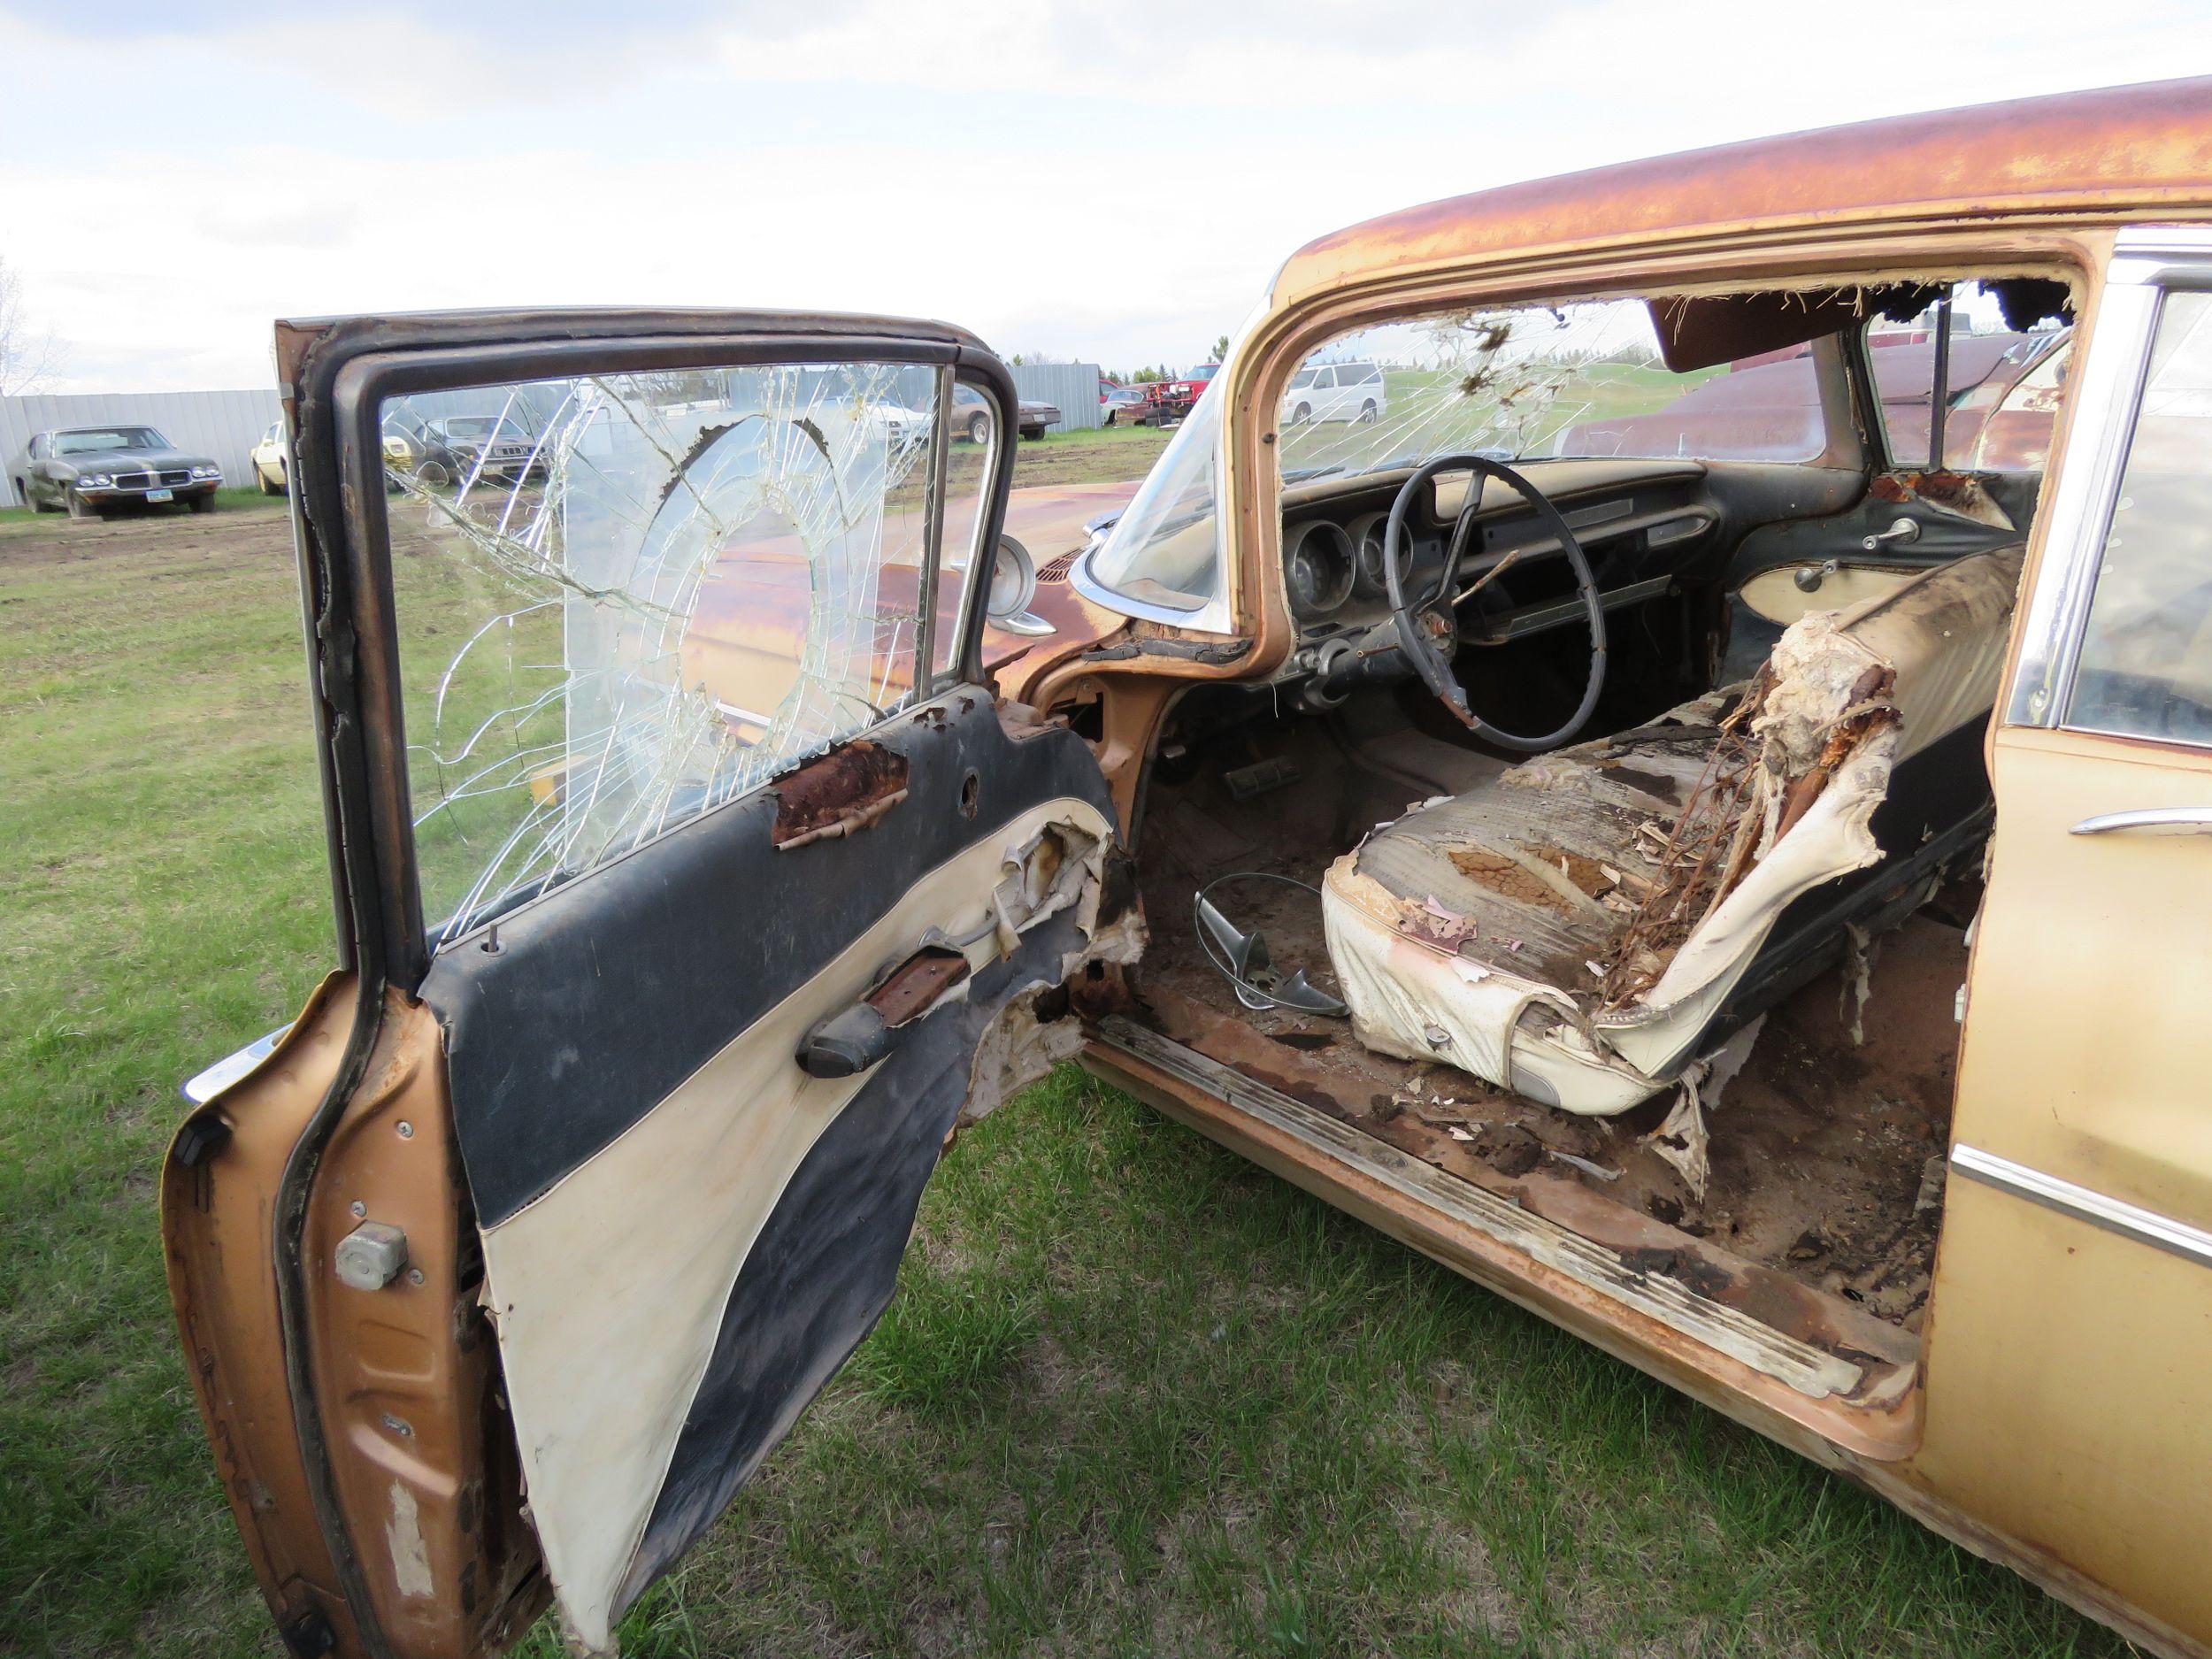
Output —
<point x="1367" y="536"/>
<point x="1318" y="568"/>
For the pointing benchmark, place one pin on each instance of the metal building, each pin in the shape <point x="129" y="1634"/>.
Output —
<point x="222" y="425"/>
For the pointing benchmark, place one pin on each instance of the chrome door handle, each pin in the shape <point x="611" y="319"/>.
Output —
<point x="2160" y="820"/>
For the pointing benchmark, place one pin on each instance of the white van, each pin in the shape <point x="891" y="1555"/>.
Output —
<point x="1335" y="391"/>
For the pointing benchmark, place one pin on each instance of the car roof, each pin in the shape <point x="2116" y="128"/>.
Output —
<point x="2141" y="151"/>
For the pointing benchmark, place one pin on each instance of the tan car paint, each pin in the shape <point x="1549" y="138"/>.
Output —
<point x="421" y="1455"/>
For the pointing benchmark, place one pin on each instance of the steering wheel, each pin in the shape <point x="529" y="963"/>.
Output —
<point x="1428" y="625"/>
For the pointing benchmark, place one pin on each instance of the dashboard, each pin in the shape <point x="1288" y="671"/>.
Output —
<point x="1640" y="523"/>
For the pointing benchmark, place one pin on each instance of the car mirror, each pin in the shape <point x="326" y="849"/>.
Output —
<point x="1013" y="585"/>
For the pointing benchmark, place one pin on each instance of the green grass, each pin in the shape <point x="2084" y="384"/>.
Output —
<point x="1134" y="1396"/>
<point x="227" y="499"/>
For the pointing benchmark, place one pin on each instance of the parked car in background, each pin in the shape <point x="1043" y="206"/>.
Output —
<point x="1121" y="406"/>
<point x="1167" y="401"/>
<point x="971" y="418"/>
<point x="89" y="470"/>
<point x="1335" y="391"/>
<point x="477" y="446"/>
<point x="1035" y="417"/>
<point x="266" y="458"/>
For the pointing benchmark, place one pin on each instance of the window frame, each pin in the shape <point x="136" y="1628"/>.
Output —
<point x="353" y="405"/>
<point x="2147" y="264"/>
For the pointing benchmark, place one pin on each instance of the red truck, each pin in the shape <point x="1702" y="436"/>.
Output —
<point x="1166" y="402"/>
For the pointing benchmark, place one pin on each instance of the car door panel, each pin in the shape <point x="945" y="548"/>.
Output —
<point x="684" y="1233"/>
<point x="665" y="1200"/>
<point x="2069" y="1350"/>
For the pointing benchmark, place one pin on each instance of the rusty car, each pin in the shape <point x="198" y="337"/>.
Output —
<point x="1717" y="879"/>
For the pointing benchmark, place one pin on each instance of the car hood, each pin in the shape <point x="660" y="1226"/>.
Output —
<point x="125" y="460"/>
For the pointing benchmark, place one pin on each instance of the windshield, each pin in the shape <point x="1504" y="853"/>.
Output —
<point x="1585" y="379"/>
<point x="99" y="440"/>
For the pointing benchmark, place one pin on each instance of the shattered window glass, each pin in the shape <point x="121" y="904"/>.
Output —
<point x="1529" y="382"/>
<point x="2145" y="664"/>
<point x="625" y="599"/>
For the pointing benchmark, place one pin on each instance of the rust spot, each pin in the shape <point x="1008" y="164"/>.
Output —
<point x="917" y="983"/>
<point x="1504" y="874"/>
<point x="841" y="792"/>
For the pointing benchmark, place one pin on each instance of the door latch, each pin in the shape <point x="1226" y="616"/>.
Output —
<point x="372" y="1255"/>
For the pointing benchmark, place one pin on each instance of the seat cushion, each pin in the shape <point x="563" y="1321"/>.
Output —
<point x="1568" y="929"/>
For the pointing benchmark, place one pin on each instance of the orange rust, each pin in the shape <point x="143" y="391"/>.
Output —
<point x="846" y="789"/>
<point x="2136" y="150"/>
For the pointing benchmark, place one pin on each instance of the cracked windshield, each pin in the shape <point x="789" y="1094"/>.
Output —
<point x="625" y="599"/>
<point x="1530" y="383"/>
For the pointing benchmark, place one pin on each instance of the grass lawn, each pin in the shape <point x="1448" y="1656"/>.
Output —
<point x="16" y="518"/>
<point x="1134" y="1396"/>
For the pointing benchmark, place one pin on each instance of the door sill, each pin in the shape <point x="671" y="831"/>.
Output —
<point x="1823" y="1399"/>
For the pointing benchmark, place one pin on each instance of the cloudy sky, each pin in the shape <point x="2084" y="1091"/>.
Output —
<point x="1113" y="179"/>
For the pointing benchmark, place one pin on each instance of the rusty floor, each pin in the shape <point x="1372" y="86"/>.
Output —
<point x="1827" y="1152"/>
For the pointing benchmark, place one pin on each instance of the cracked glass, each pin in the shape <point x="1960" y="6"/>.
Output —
<point x="626" y="599"/>
<point x="1522" y="383"/>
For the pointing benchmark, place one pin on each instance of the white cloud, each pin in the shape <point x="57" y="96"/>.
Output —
<point x="1106" y="178"/>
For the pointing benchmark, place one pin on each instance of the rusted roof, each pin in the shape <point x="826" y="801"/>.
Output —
<point x="2137" y="150"/>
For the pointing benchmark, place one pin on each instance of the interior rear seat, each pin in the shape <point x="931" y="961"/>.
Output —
<point x="1478" y="930"/>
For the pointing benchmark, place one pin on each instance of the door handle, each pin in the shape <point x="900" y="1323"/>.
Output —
<point x="863" y="1034"/>
<point x="2159" y="820"/>
<point x="1899" y="530"/>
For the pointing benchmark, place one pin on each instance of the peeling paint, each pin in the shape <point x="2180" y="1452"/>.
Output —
<point x="410" y="1556"/>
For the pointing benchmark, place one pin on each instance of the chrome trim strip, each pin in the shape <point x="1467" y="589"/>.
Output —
<point x="2114" y="1215"/>
<point x="1080" y="578"/>
<point x="1537" y="618"/>
<point x="2157" y="820"/>
<point x="2109" y="381"/>
<point x="204" y="1086"/>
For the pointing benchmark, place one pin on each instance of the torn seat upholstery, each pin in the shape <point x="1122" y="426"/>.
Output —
<point x="1569" y="930"/>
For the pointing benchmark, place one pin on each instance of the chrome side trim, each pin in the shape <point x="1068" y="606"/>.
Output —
<point x="203" y="1087"/>
<point x="1080" y="578"/>
<point x="2158" y="820"/>
<point x="2114" y="1215"/>
<point x="2107" y="386"/>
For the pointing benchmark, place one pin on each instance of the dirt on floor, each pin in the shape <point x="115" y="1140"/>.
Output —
<point x="1827" y="1150"/>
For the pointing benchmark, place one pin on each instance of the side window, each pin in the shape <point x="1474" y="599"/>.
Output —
<point x="2001" y="383"/>
<point x="625" y="599"/>
<point x="966" y="567"/>
<point x="2145" y="668"/>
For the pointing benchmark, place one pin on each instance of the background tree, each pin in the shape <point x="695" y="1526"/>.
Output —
<point x="1221" y="348"/>
<point x="28" y="356"/>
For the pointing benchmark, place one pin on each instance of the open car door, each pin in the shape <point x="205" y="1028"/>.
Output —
<point x="669" y="955"/>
